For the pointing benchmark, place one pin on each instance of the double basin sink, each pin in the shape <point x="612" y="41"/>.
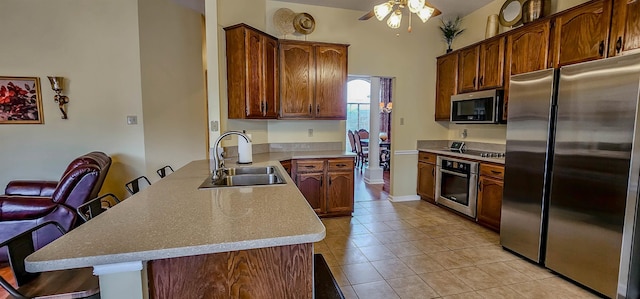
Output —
<point x="245" y="176"/>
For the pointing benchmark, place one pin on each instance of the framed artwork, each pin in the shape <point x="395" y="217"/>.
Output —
<point x="20" y="100"/>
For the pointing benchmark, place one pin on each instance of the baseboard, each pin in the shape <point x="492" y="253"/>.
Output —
<point x="403" y="198"/>
<point x="372" y="182"/>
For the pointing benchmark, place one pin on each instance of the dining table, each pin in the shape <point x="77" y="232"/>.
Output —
<point x="383" y="144"/>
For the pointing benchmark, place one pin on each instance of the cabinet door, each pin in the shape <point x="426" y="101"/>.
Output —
<point x="340" y="192"/>
<point x="468" y="69"/>
<point x="527" y="51"/>
<point x="255" y="75"/>
<point x="331" y="82"/>
<point x="625" y="27"/>
<point x="582" y="34"/>
<point x="446" y="85"/>
<point x="311" y="185"/>
<point x="490" y="202"/>
<point x="296" y="80"/>
<point x="491" y="64"/>
<point x="270" y="78"/>
<point x="427" y="181"/>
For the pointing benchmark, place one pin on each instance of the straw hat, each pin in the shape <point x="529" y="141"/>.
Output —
<point x="283" y="20"/>
<point x="304" y="23"/>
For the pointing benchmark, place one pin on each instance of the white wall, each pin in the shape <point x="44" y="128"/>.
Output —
<point x="174" y="104"/>
<point x="96" y="46"/>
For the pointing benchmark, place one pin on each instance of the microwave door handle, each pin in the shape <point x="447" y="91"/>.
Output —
<point x="453" y="173"/>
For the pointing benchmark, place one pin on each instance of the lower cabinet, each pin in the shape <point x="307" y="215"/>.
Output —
<point x="490" y="185"/>
<point x="427" y="176"/>
<point x="327" y="184"/>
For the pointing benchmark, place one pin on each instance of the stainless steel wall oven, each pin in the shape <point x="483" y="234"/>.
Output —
<point x="457" y="185"/>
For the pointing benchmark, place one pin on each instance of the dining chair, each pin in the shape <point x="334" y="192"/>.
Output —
<point x="163" y="172"/>
<point x="364" y="134"/>
<point x="72" y="283"/>
<point x="363" y="155"/>
<point x="137" y="184"/>
<point x="96" y="206"/>
<point x="352" y="140"/>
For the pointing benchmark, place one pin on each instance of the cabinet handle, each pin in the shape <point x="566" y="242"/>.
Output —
<point x="341" y="165"/>
<point x="262" y="107"/>
<point x="619" y="44"/>
<point x="481" y="81"/>
<point x="601" y="48"/>
<point x="329" y="181"/>
<point x="320" y="181"/>
<point x="266" y="107"/>
<point x="318" y="109"/>
<point x="433" y="172"/>
<point x="309" y="166"/>
<point x="479" y="186"/>
<point x="309" y="108"/>
<point x="474" y="81"/>
<point x="496" y="172"/>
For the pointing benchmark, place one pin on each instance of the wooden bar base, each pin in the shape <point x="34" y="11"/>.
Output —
<point x="274" y="272"/>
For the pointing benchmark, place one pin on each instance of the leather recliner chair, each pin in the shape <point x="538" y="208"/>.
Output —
<point x="26" y="204"/>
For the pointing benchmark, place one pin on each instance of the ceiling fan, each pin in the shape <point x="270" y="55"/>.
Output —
<point x="395" y="8"/>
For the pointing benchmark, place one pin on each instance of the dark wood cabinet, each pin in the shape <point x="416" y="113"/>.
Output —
<point x="446" y="85"/>
<point x="286" y="164"/>
<point x="327" y="184"/>
<point x="490" y="188"/>
<point x="427" y="176"/>
<point x="625" y="27"/>
<point x="481" y="66"/>
<point x="492" y="64"/>
<point x="468" y="68"/>
<point x="582" y="34"/>
<point x="252" y="73"/>
<point x="313" y="78"/>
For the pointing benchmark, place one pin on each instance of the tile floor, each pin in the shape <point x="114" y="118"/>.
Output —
<point x="418" y="250"/>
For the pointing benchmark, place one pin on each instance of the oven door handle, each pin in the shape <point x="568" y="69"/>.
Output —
<point x="454" y="173"/>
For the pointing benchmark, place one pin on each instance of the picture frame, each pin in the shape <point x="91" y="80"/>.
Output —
<point x="20" y="100"/>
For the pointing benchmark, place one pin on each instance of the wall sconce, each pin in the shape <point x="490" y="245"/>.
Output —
<point x="57" y="84"/>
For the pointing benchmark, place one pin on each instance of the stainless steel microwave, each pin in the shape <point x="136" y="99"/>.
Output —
<point x="480" y="107"/>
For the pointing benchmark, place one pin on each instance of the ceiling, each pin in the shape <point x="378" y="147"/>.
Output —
<point x="447" y="7"/>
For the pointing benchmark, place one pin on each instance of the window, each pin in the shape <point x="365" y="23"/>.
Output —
<point x="358" y="104"/>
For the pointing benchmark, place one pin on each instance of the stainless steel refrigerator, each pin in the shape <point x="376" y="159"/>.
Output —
<point x="571" y="172"/>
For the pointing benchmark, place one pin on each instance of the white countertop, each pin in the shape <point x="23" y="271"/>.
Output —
<point x="172" y="218"/>
<point x="447" y="152"/>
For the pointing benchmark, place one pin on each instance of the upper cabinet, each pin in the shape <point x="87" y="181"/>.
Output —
<point x="481" y="67"/>
<point x="446" y="84"/>
<point x="625" y="27"/>
<point x="527" y="49"/>
<point x="582" y="34"/>
<point x="313" y="80"/>
<point x="252" y="73"/>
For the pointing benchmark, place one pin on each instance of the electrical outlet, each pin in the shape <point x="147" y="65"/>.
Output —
<point x="132" y="119"/>
<point x="402" y="121"/>
<point x="310" y="134"/>
<point x="214" y="126"/>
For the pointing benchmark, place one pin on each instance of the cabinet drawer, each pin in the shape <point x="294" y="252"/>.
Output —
<point x="492" y="171"/>
<point x="427" y="157"/>
<point x="341" y="164"/>
<point x="310" y="165"/>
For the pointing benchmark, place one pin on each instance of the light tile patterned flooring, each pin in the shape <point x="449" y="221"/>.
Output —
<point x="419" y="250"/>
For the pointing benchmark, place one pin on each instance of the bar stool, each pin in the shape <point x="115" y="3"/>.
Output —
<point x="162" y="172"/>
<point x="73" y="283"/>
<point x="95" y="206"/>
<point x="137" y="184"/>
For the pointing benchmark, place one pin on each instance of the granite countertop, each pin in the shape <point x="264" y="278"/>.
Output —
<point x="441" y="151"/>
<point x="173" y="218"/>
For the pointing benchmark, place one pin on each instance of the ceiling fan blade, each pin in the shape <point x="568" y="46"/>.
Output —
<point x="436" y="11"/>
<point x="367" y="16"/>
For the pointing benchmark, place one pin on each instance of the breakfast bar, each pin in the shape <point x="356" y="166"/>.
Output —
<point x="174" y="240"/>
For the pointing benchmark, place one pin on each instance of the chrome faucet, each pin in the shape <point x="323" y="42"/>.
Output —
<point x="217" y="162"/>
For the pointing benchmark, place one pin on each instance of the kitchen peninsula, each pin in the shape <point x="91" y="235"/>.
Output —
<point x="254" y="241"/>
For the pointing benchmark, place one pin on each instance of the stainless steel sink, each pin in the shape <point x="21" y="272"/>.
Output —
<point x="249" y="170"/>
<point x="245" y="176"/>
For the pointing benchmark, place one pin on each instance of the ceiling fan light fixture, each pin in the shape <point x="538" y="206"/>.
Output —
<point x="425" y="13"/>
<point x="415" y="5"/>
<point x="382" y="10"/>
<point x="395" y="19"/>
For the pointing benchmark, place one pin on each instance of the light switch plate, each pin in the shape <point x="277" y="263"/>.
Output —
<point x="132" y="119"/>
